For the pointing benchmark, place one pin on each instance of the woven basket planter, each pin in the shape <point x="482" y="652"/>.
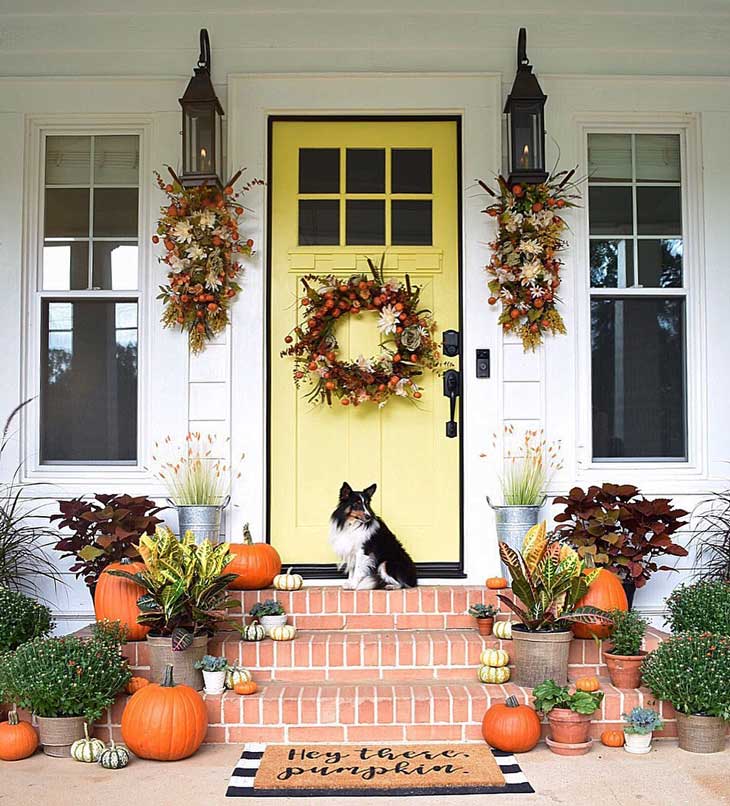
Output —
<point x="540" y="656"/>
<point x="183" y="662"/>
<point x="701" y="734"/>
<point x="57" y="734"/>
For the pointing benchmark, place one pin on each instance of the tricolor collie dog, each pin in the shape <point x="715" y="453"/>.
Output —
<point x="371" y="553"/>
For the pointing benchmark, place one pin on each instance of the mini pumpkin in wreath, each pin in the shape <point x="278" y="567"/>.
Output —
<point x="406" y="330"/>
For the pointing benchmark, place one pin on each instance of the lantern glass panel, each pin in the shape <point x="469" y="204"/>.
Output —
<point x="200" y="139"/>
<point x="526" y="123"/>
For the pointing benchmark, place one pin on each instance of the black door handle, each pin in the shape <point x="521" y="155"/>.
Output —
<point x="452" y="389"/>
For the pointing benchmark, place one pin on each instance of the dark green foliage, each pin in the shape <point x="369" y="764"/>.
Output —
<point x="21" y="619"/>
<point x="627" y="632"/>
<point x="702" y="607"/>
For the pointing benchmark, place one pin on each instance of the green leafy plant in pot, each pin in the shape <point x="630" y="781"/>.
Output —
<point x="484" y="616"/>
<point x="569" y="715"/>
<point x="701" y="607"/>
<point x="624" y="655"/>
<point x="185" y="598"/>
<point x="548" y="580"/>
<point x="639" y="729"/>
<point x="691" y="671"/>
<point x="65" y="682"/>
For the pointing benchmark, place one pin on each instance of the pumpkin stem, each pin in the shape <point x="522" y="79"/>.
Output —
<point x="512" y="702"/>
<point x="247" y="539"/>
<point x="111" y="745"/>
<point x="167" y="680"/>
<point x="86" y="730"/>
<point x="13" y="716"/>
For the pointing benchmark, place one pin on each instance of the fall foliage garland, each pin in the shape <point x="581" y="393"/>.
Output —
<point x="199" y="230"/>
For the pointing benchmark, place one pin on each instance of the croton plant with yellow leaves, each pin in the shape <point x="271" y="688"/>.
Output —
<point x="549" y="579"/>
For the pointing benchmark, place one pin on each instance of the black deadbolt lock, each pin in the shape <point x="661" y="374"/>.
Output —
<point x="451" y="343"/>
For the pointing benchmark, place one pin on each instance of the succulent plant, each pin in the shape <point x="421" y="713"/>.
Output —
<point x="480" y="610"/>
<point x="212" y="663"/>
<point x="270" y="607"/>
<point x="642" y="721"/>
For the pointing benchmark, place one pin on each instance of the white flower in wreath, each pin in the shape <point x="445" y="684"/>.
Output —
<point x="402" y="387"/>
<point x="178" y="264"/>
<point x="207" y="219"/>
<point x="411" y="338"/>
<point x="530" y="247"/>
<point x="531" y="271"/>
<point x="385" y="365"/>
<point x="388" y="320"/>
<point x="182" y="232"/>
<point x="365" y="364"/>
<point x="222" y="233"/>
<point x="194" y="252"/>
<point x="504" y="275"/>
<point x="542" y="219"/>
<point x="212" y="281"/>
<point x="514" y="222"/>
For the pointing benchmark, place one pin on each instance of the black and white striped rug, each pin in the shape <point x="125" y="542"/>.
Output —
<point x="243" y="779"/>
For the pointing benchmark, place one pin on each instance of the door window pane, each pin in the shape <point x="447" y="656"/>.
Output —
<point x="365" y="222"/>
<point x="89" y="381"/>
<point x="610" y="211"/>
<point x="612" y="264"/>
<point x="65" y="266"/>
<point x="365" y="170"/>
<point x="68" y="160"/>
<point x="319" y="170"/>
<point x="319" y="222"/>
<point x="116" y="160"/>
<point x="115" y="266"/>
<point x="412" y="170"/>
<point x="116" y="212"/>
<point x="657" y="158"/>
<point x="411" y="223"/>
<point x="609" y="157"/>
<point x="638" y="378"/>
<point x="67" y="213"/>
<point x="660" y="263"/>
<point x="659" y="210"/>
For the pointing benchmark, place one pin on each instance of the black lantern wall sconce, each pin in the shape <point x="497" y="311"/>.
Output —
<point x="202" y="125"/>
<point x="525" y="109"/>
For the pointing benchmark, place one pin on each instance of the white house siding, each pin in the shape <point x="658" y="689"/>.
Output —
<point x="623" y="63"/>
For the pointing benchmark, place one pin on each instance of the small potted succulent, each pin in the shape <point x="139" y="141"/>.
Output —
<point x="269" y="613"/>
<point x="639" y="728"/>
<point x="569" y="716"/>
<point x="625" y="656"/>
<point x="691" y="671"/>
<point x="484" y="615"/>
<point x="214" y="673"/>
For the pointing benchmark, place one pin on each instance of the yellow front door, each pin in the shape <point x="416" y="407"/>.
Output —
<point x="342" y="191"/>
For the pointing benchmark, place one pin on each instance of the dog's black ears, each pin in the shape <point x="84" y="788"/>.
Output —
<point x="345" y="491"/>
<point x="370" y="491"/>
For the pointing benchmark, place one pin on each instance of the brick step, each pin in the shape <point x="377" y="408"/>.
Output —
<point x="431" y="607"/>
<point x="410" y="710"/>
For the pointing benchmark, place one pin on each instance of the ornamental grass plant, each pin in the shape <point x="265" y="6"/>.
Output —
<point x="529" y="469"/>
<point x="69" y="676"/>
<point x="21" y="620"/>
<point x="702" y="607"/>
<point x="692" y="672"/>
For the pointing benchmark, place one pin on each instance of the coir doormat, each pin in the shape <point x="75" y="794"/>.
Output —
<point x="374" y="770"/>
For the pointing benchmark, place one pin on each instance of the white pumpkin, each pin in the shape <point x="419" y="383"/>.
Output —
<point x="503" y="630"/>
<point x="235" y="675"/>
<point x="493" y="674"/>
<point x="288" y="581"/>
<point x="284" y="632"/>
<point x="87" y="749"/>
<point x="494" y="657"/>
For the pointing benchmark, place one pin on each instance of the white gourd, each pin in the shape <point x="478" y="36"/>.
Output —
<point x="288" y="581"/>
<point x="285" y="632"/>
<point x="503" y="630"/>
<point x="87" y="749"/>
<point x="494" y="657"/>
<point x="493" y="674"/>
<point x="235" y="675"/>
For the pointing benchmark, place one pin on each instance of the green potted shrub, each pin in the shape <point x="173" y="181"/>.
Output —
<point x="624" y="656"/>
<point x="691" y="671"/>
<point x="65" y="682"/>
<point x="548" y="580"/>
<point x="484" y="615"/>
<point x="702" y="607"/>
<point x="21" y="620"/>
<point x="214" y="670"/>
<point x="269" y="613"/>
<point x="569" y="716"/>
<point x="184" y="598"/>
<point x="622" y="530"/>
<point x="639" y="729"/>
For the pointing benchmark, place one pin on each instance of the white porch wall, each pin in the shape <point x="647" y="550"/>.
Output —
<point x="52" y="62"/>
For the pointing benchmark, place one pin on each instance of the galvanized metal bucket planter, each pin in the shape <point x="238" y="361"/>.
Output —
<point x="203" y="521"/>
<point x="513" y="523"/>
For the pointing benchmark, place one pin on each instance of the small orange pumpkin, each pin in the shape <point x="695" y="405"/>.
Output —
<point x="587" y="684"/>
<point x="246" y="687"/>
<point x="511" y="727"/>
<point x="18" y="739"/>
<point x="255" y="563"/>
<point x="136" y="683"/>
<point x="612" y="738"/>
<point x="496" y="583"/>
<point x="115" y="598"/>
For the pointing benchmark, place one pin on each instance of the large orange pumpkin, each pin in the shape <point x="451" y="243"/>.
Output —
<point x="164" y="722"/>
<point x="605" y="592"/>
<point x="255" y="563"/>
<point x="511" y="727"/>
<point x="17" y="739"/>
<point x="116" y="598"/>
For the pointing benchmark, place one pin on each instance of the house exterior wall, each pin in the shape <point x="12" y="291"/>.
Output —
<point x="639" y="65"/>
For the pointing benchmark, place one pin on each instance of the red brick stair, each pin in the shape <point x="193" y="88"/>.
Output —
<point x="375" y="666"/>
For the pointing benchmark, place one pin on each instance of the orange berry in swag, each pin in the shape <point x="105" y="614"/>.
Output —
<point x="514" y="313"/>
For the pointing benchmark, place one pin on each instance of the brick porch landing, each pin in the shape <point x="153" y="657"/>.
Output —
<point x="375" y="666"/>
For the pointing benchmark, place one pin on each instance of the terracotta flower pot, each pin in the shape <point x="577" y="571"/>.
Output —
<point x="540" y="656"/>
<point x="701" y="734"/>
<point x="624" y="670"/>
<point x="485" y="626"/>
<point x="563" y="749"/>
<point x="183" y="663"/>
<point x="568" y="727"/>
<point x="57" y="734"/>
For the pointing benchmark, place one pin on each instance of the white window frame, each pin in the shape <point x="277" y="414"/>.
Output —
<point x="82" y="475"/>
<point x="641" y="471"/>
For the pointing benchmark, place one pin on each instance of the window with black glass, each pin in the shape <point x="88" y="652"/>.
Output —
<point x="638" y="297"/>
<point x="89" y="299"/>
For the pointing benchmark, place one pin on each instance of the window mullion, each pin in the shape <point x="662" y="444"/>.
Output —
<point x="90" y="270"/>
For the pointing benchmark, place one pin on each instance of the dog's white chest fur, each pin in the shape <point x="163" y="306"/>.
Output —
<point x="347" y="541"/>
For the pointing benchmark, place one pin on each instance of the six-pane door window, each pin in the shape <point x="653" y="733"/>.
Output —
<point x="638" y="297"/>
<point x="89" y="299"/>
